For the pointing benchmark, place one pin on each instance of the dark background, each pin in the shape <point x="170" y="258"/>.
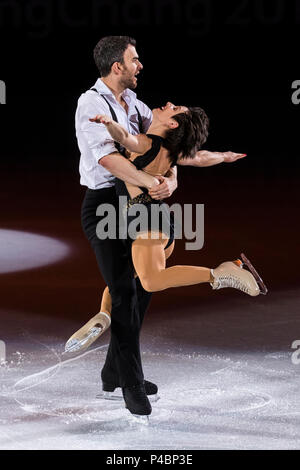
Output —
<point x="237" y="60"/>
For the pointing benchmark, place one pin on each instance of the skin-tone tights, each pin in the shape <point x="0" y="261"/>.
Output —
<point x="149" y="260"/>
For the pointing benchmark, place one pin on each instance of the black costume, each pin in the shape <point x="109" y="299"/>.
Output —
<point x="140" y="162"/>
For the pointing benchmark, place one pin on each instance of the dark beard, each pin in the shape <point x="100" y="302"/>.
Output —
<point x="128" y="83"/>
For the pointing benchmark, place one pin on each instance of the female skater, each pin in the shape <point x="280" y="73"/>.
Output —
<point x="174" y="137"/>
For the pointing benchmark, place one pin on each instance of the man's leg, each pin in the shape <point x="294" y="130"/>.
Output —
<point x="123" y="358"/>
<point x="144" y="299"/>
<point x="109" y="371"/>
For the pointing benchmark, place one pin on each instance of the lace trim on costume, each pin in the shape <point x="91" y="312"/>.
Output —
<point x="139" y="199"/>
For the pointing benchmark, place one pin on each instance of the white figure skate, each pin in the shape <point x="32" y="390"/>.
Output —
<point x="232" y="274"/>
<point x="89" y="333"/>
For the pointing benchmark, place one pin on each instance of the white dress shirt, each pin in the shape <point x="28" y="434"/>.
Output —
<point x="94" y="140"/>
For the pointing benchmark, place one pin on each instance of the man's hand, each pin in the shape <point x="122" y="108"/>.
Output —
<point x="165" y="189"/>
<point x="101" y="119"/>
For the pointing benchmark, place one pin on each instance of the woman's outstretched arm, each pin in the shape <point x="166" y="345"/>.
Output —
<point x="139" y="143"/>
<point x="205" y="158"/>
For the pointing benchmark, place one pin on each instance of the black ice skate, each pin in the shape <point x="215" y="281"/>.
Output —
<point x="136" y="400"/>
<point x="111" y="392"/>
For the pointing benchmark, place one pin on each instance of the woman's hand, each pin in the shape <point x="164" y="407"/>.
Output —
<point x="230" y="157"/>
<point x="101" y="119"/>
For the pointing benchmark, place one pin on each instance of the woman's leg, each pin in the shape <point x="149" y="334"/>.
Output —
<point x="150" y="265"/>
<point x="106" y="302"/>
<point x="169" y="250"/>
<point x="106" y="298"/>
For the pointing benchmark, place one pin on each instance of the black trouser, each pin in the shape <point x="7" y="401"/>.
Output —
<point x="123" y="365"/>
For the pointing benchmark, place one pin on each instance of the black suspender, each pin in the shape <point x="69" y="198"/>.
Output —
<point x="112" y="112"/>
<point x="114" y="116"/>
<point x="120" y="148"/>
<point x="141" y="129"/>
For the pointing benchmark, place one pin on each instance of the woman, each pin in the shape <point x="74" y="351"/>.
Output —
<point x="174" y="137"/>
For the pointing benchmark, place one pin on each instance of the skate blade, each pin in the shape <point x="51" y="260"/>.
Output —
<point x="117" y="396"/>
<point x="139" y="419"/>
<point x="110" y="396"/>
<point x="260" y="282"/>
<point x="76" y="345"/>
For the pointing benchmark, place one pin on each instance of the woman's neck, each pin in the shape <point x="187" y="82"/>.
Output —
<point x="157" y="129"/>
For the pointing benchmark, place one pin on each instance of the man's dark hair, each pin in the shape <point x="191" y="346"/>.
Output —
<point x="111" y="49"/>
<point x="191" y="133"/>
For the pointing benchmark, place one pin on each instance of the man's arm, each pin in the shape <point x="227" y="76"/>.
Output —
<point x="126" y="171"/>
<point x="205" y="158"/>
<point x="102" y="147"/>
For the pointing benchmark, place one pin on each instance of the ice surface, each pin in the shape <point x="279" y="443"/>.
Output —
<point x="225" y="382"/>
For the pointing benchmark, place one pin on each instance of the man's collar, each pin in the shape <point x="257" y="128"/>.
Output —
<point x="104" y="90"/>
<point x="131" y="95"/>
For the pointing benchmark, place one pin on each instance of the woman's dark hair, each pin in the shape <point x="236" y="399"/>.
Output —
<point x="111" y="49"/>
<point x="186" y="139"/>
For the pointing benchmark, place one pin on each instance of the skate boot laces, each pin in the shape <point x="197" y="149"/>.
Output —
<point x="229" y="280"/>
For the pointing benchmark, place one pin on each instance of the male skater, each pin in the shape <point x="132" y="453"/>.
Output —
<point x="119" y="65"/>
<point x="100" y="162"/>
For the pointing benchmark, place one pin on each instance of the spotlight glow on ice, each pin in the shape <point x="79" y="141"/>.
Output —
<point x="20" y="250"/>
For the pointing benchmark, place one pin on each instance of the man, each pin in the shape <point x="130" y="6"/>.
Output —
<point x="119" y="65"/>
<point x="100" y="162"/>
